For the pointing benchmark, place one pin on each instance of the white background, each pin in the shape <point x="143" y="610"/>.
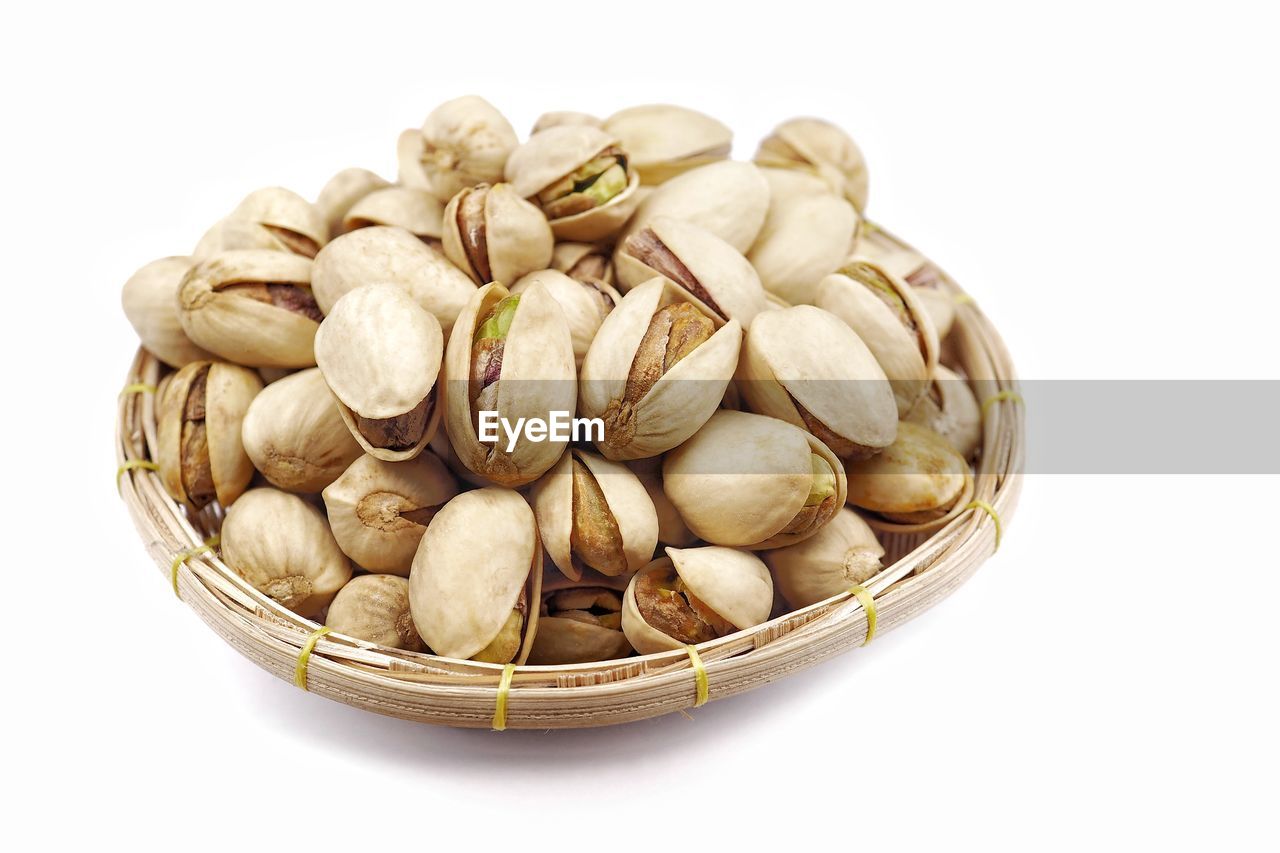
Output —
<point x="1103" y="177"/>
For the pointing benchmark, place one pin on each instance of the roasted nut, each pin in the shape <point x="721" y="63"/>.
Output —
<point x="819" y="148"/>
<point x="805" y="236"/>
<point x="274" y="219"/>
<point x="198" y="422"/>
<point x="416" y="211"/>
<point x="585" y="303"/>
<point x="375" y="608"/>
<point x="492" y="234"/>
<point x="151" y="303"/>
<point x="950" y="409"/>
<point x="477" y="578"/>
<point x="281" y="545"/>
<point x="580" y="622"/>
<point x="838" y="557"/>
<point x="729" y="199"/>
<point x="583" y="261"/>
<point x="753" y="481"/>
<point x="463" y="142"/>
<point x="671" y="527"/>
<point x="295" y="434"/>
<point x="666" y="140"/>
<point x="562" y="118"/>
<point x="380" y="355"/>
<point x="916" y="480"/>
<point x="342" y="191"/>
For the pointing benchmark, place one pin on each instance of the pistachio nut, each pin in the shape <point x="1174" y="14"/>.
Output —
<point x="888" y="316"/>
<point x="492" y="234"/>
<point x="281" y="545"/>
<point x="150" y="302"/>
<point x="342" y="191"/>
<point x="585" y="302"/>
<point x="272" y="218"/>
<point x="295" y="435"/>
<point x="380" y="354"/>
<point x="375" y="608"/>
<point x="665" y="140"/>
<point x="820" y="148"/>
<point x="936" y="291"/>
<point x="838" y="557"/>
<point x="786" y="186"/>
<point x="805" y="366"/>
<point x="578" y="176"/>
<point x="656" y="370"/>
<point x="416" y="211"/>
<point x="394" y="256"/>
<point x="583" y="261"/>
<point x="804" y="237"/>
<point x="511" y="356"/>
<point x="198" y="420"/>
<point x="253" y="307"/>
<point x="464" y="142"/>
<point x="753" y="481"/>
<point x="580" y="622"/>
<point x="442" y="447"/>
<point x="561" y="118"/>
<point x="728" y="198"/>
<point x="950" y="409"/>
<point x="379" y="510"/>
<point x="694" y="595"/>
<point x="706" y="268"/>
<point x="477" y="578"/>
<point x="671" y="527"/>
<point x="917" y="479"/>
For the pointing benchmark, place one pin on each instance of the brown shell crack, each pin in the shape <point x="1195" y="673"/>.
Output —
<point x="402" y="432"/>
<point x="197" y="472"/>
<point x="667" y="605"/>
<point x="472" y="231"/>
<point x="295" y="298"/>
<point x="299" y="244"/>
<point x="594" y="536"/>
<point x="647" y="248"/>
<point x="880" y="287"/>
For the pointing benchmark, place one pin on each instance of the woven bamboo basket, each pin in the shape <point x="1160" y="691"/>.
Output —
<point x="921" y="571"/>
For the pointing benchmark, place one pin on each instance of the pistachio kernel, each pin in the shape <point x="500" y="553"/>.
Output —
<point x="647" y="248"/>
<point x="401" y="432"/>
<point x="197" y="473"/>
<point x="594" y="538"/>
<point x="667" y="605"/>
<point x="472" y="230"/>
<point x="291" y="297"/>
<point x="879" y="285"/>
<point x="487" y="347"/>
<point x="820" y="504"/>
<point x="591" y="185"/>
<point x="506" y="645"/>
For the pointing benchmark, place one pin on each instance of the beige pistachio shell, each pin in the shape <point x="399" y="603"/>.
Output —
<point x="678" y="403"/>
<point x="805" y="366"/>
<point x="822" y="149"/>
<point x="838" y="557"/>
<point x="517" y="236"/>
<point x="479" y="553"/>
<point x="393" y="256"/>
<point x="221" y="317"/>
<point x="559" y="118"/>
<point x="295" y="435"/>
<point x="465" y="141"/>
<point x="568" y="637"/>
<point x="665" y="140"/>
<point x="729" y="199"/>
<point x="804" y="237"/>
<point x="950" y="409"/>
<point x="342" y="191"/>
<point x="941" y="308"/>
<point x="150" y="301"/>
<point x="379" y="510"/>
<point x="415" y="210"/>
<point x="786" y="186"/>
<point x="375" y="608"/>
<point x="282" y="546"/>
<point x="583" y="261"/>
<point x="585" y="304"/>
<point x="537" y="378"/>
<point x="410" y="153"/>
<point x="671" y="527"/>
<point x="919" y="473"/>
<point x="297" y="223"/>
<point x="442" y="447"/>
<point x="744" y="478"/>
<point x="902" y="338"/>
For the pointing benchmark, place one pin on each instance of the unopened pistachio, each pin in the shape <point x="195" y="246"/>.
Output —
<point x="804" y="237"/>
<point x="820" y="148"/>
<point x="666" y="140"/>
<point x="671" y="527"/>
<point x="916" y="480"/>
<point x="416" y="211"/>
<point x="492" y="234"/>
<point x="463" y="142"/>
<point x="375" y="608"/>
<point x="585" y="302"/>
<point x="841" y="555"/>
<point x="342" y="191"/>
<point x="559" y="118"/>
<point x="151" y="303"/>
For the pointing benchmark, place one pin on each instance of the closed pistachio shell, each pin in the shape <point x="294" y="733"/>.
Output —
<point x="150" y="302"/>
<point x="838" y="557"/>
<point x="281" y="545"/>
<point x="671" y="527"/>
<point x="583" y="261"/>
<point x="559" y="118"/>
<point x="375" y="608"/>
<point x="380" y="354"/>
<point x="804" y="237"/>
<point x="394" y="256"/>
<point x="342" y="191"/>
<point x="295" y="435"/>
<point x="729" y="199"/>
<point x="465" y="141"/>
<point x="918" y="478"/>
<point x="271" y="218"/>
<point x="666" y="140"/>
<point x="492" y="234"/>
<point x="753" y="481"/>
<point x="580" y="622"/>
<point x="786" y="186"/>
<point x="656" y="371"/>
<point x="476" y="576"/>
<point x="950" y="409"/>
<point x="585" y="304"/>
<point x="379" y="510"/>
<point x="416" y="211"/>
<point x="253" y="307"/>
<point x="820" y="148"/>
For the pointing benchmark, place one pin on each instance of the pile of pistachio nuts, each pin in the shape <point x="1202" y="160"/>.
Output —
<point x="602" y="392"/>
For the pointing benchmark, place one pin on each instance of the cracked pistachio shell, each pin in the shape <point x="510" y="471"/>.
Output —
<point x="718" y="277"/>
<point x="499" y="238"/>
<point x="888" y="316"/>
<point x="564" y="639"/>
<point x="229" y="389"/>
<point x="743" y="479"/>
<point x="680" y="400"/>
<point x="225" y="308"/>
<point x="270" y="218"/>
<point x="342" y="191"/>
<point x="671" y="527"/>
<point x="393" y="256"/>
<point x="665" y="140"/>
<point x="561" y="118"/>
<point x="442" y="447"/>
<point x="733" y="584"/>
<point x="295" y="435"/>
<point x="375" y="608"/>
<point x="805" y="366"/>
<point x="804" y="237"/>
<point x="150" y="301"/>
<point x="583" y="261"/>
<point x="839" y="556"/>
<point x="820" y="148"/>
<point x="585" y="304"/>
<point x="561" y="505"/>
<point x="931" y="284"/>
<point x="479" y="557"/>
<point x="950" y="409"/>
<point x="464" y="142"/>
<point x="380" y="354"/>
<point x="282" y="546"/>
<point x="379" y="510"/>
<point x="919" y="475"/>
<point x="729" y="199"/>
<point x="537" y="378"/>
<point x="416" y="211"/>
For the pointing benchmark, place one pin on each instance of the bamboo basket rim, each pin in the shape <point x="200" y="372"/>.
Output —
<point x="432" y="689"/>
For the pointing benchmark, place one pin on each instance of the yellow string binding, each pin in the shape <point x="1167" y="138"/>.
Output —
<point x="869" y="605"/>
<point x="703" y="692"/>
<point x="130" y="465"/>
<point x="304" y="656"/>
<point x="137" y="388"/>
<point x="991" y="511"/>
<point x="1011" y="396"/>
<point x="186" y="554"/>
<point x="500" y="705"/>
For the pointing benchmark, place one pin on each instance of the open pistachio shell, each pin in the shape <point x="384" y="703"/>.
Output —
<point x="380" y="354"/>
<point x="666" y="140"/>
<point x="705" y="267"/>
<point x="379" y="510"/>
<point x="752" y="481"/>
<point x="805" y="366"/>
<point x="281" y="545"/>
<point x="492" y="234"/>
<point x="583" y="261"/>
<point x="375" y="608"/>
<point x="465" y="141"/>
<point x="671" y="527"/>
<point x="950" y="409"/>
<point x="342" y="191"/>
<point x="150" y="302"/>
<point x="918" y="478"/>
<point x="580" y="621"/>
<point x="656" y="371"/>
<point x="558" y="118"/>
<point x="416" y="211"/>
<point x="728" y="198"/>
<point x="476" y="579"/>
<point x="198" y="421"/>
<point x="804" y="237"/>
<point x="253" y="307"/>
<point x="585" y="304"/>
<point x="888" y="316"/>
<point x="295" y="434"/>
<point x="838" y="557"/>
<point x="820" y="148"/>
<point x="512" y="356"/>
<point x="272" y="218"/>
